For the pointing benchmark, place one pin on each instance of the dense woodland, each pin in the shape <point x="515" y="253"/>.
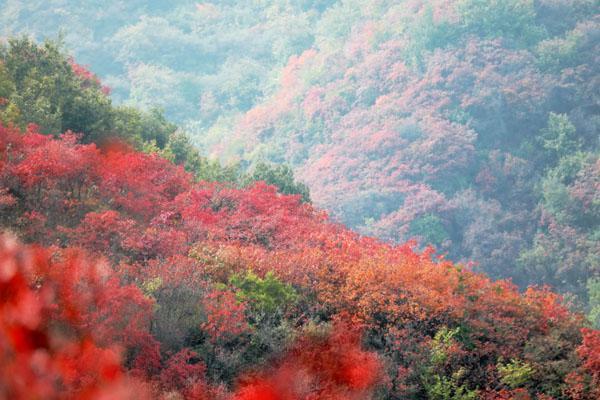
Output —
<point x="469" y="125"/>
<point x="159" y="242"/>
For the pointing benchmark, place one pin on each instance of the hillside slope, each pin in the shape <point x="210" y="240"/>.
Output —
<point x="202" y="285"/>
<point x="470" y="125"/>
<point x="140" y="281"/>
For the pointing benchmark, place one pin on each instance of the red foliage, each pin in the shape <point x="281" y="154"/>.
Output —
<point x="6" y="199"/>
<point x="176" y="239"/>
<point x="180" y="372"/>
<point x="87" y="77"/>
<point x="225" y="316"/>
<point x="589" y="351"/>
<point x="105" y="233"/>
<point x="49" y="162"/>
<point x="140" y="184"/>
<point x="46" y="350"/>
<point x="516" y="394"/>
<point x="330" y="367"/>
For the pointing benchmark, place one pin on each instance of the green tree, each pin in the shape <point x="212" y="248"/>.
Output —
<point x="593" y="287"/>
<point x="48" y="91"/>
<point x="508" y="19"/>
<point x="437" y="384"/>
<point x="429" y="227"/>
<point x="515" y="373"/>
<point x="559" y="136"/>
<point x="264" y="295"/>
<point x="281" y="176"/>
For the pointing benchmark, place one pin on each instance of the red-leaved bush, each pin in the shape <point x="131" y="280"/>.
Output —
<point x="47" y="348"/>
<point x="327" y="366"/>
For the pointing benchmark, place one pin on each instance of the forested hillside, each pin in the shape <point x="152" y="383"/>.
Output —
<point x="466" y="124"/>
<point x="142" y="282"/>
<point x="133" y="265"/>
<point x="471" y="125"/>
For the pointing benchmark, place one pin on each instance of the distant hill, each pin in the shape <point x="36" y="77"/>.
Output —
<point x="470" y="125"/>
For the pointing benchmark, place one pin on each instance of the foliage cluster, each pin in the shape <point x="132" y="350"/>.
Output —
<point x="470" y="125"/>
<point x="149" y="271"/>
<point x="203" y="290"/>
